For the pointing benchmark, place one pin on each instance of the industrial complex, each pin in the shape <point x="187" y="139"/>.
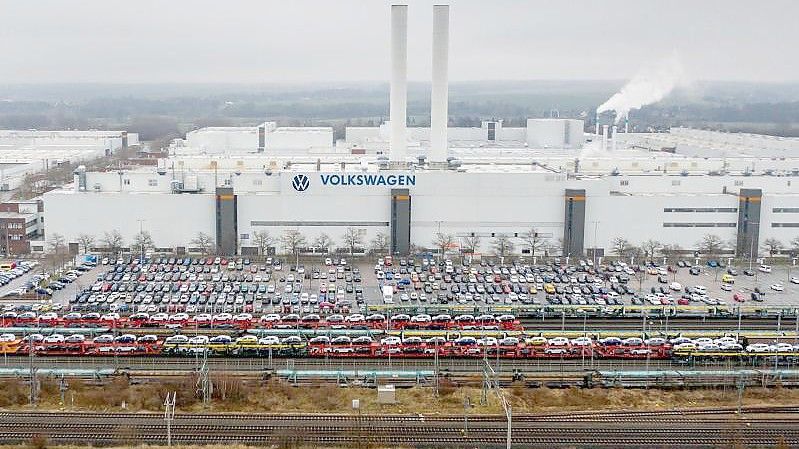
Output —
<point x="579" y="189"/>
<point x="485" y="270"/>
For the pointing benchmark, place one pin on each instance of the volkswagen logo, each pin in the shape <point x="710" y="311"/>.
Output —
<point x="300" y="183"/>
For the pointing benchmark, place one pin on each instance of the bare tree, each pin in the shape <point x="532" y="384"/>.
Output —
<point x="670" y="250"/>
<point x="352" y="239"/>
<point x="711" y="245"/>
<point x="773" y="246"/>
<point x="795" y="245"/>
<point x="650" y="248"/>
<point x="443" y="242"/>
<point x="620" y="246"/>
<point x="293" y="241"/>
<point x="203" y="242"/>
<point x="113" y="241"/>
<point x="86" y="242"/>
<point x="471" y="242"/>
<point x="323" y="242"/>
<point x="57" y="249"/>
<point x="57" y="243"/>
<point x="502" y="244"/>
<point x="263" y="241"/>
<point x="380" y="243"/>
<point x="143" y="241"/>
<point x="534" y="240"/>
<point x="553" y="247"/>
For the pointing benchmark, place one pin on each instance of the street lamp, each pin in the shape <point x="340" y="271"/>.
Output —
<point x="141" y="238"/>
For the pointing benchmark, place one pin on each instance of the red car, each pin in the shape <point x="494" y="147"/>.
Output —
<point x="738" y="298"/>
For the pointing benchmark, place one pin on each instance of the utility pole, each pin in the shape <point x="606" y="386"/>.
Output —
<point x="34" y="390"/>
<point x="141" y="232"/>
<point x="488" y="373"/>
<point x="63" y="386"/>
<point x="204" y="381"/>
<point x="169" y="415"/>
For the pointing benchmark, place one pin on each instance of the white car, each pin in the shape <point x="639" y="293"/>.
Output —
<point x="269" y="340"/>
<point x="726" y="287"/>
<point x="55" y="338"/>
<point x="581" y="341"/>
<point x="777" y="287"/>
<point x="764" y="268"/>
<point x="794" y="280"/>
<point x="558" y="341"/>
<point x="5" y="338"/>
<point x="390" y="341"/>
<point x="198" y="340"/>
<point x="758" y="347"/>
<point x="676" y="286"/>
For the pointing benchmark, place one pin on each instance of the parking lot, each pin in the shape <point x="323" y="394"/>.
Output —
<point x="272" y="285"/>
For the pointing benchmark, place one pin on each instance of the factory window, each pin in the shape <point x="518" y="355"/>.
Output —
<point x="126" y="182"/>
<point x="228" y="182"/>
<point x="785" y="225"/>
<point x="624" y="182"/>
<point x="152" y="182"/>
<point x="319" y="223"/>
<point x="244" y="236"/>
<point x="492" y="131"/>
<point x="257" y="182"/>
<point x="698" y="225"/>
<point x="700" y="209"/>
<point x="675" y="182"/>
<point x="739" y="183"/>
<point x="786" y="210"/>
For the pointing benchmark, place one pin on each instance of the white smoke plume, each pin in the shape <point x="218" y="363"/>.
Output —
<point x="652" y="83"/>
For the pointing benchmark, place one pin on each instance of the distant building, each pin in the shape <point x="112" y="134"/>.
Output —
<point x="20" y="222"/>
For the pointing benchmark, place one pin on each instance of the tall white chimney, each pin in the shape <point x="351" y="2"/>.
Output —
<point x="626" y="123"/>
<point x="613" y="144"/>
<point x="439" y="96"/>
<point x="604" y="137"/>
<point x="399" y="82"/>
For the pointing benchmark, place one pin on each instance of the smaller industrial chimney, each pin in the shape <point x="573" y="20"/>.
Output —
<point x="604" y="137"/>
<point x="613" y="142"/>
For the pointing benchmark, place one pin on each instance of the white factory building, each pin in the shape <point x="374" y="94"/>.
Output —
<point x="26" y="152"/>
<point x="490" y="181"/>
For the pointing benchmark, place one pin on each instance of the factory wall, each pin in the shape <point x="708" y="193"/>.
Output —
<point x="554" y="133"/>
<point x="172" y="220"/>
<point x="635" y="208"/>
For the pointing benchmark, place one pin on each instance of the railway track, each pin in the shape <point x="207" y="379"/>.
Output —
<point x="262" y="364"/>
<point x="705" y="428"/>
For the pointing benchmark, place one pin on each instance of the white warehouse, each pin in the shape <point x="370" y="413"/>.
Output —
<point x="24" y="152"/>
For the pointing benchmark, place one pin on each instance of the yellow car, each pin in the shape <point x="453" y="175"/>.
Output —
<point x="549" y="288"/>
<point x="535" y="341"/>
<point x="728" y="279"/>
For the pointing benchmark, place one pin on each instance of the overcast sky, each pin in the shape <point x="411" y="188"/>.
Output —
<point x="348" y="40"/>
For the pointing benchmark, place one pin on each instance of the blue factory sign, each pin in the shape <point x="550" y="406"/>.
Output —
<point x="301" y="183"/>
<point x="368" y="180"/>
